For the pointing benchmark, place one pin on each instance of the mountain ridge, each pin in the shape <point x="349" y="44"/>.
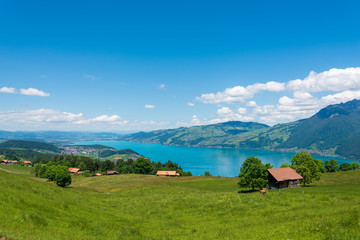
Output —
<point x="334" y="130"/>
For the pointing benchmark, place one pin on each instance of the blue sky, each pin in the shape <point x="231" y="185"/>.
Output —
<point x="143" y="65"/>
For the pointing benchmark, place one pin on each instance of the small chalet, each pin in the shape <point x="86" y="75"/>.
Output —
<point x="75" y="171"/>
<point x="27" y="163"/>
<point x="167" y="173"/>
<point x="283" y="178"/>
<point x="111" y="172"/>
<point x="6" y="161"/>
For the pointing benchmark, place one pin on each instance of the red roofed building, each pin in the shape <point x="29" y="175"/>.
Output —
<point x="75" y="170"/>
<point x="6" y="161"/>
<point x="167" y="173"/>
<point x="283" y="178"/>
<point x="27" y="163"/>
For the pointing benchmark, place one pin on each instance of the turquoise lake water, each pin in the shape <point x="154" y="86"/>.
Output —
<point x="219" y="161"/>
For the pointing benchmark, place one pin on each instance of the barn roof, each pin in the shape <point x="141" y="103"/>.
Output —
<point x="282" y="174"/>
<point x="74" y="170"/>
<point x="167" y="173"/>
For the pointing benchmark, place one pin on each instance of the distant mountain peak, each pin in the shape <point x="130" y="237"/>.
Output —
<point x="332" y="111"/>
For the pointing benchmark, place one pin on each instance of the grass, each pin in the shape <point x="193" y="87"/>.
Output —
<point x="149" y="207"/>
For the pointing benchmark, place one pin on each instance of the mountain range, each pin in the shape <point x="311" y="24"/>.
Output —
<point x="334" y="130"/>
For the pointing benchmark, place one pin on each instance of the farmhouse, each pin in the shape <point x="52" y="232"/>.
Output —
<point x="111" y="172"/>
<point x="283" y="178"/>
<point x="27" y="163"/>
<point x="6" y="161"/>
<point x="75" y="170"/>
<point x="167" y="173"/>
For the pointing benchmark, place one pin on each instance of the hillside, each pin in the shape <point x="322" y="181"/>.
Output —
<point x="30" y="145"/>
<point x="334" y="130"/>
<point x="215" y="135"/>
<point x="148" y="207"/>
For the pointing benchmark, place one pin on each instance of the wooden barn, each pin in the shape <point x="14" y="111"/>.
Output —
<point x="283" y="178"/>
<point x="167" y="173"/>
<point x="75" y="171"/>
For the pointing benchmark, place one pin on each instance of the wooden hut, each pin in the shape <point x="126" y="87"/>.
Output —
<point x="283" y="178"/>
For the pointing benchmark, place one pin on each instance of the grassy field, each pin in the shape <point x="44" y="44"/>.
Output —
<point x="150" y="207"/>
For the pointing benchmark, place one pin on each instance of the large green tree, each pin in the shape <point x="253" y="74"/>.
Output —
<point x="62" y="177"/>
<point x="306" y="166"/>
<point x="143" y="166"/>
<point x="354" y="166"/>
<point x="332" y="165"/>
<point x="253" y="174"/>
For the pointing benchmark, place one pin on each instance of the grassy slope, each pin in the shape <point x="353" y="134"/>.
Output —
<point x="149" y="207"/>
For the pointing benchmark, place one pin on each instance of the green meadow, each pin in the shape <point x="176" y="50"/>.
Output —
<point x="150" y="207"/>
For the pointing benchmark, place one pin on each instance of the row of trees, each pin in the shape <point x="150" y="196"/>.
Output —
<point x="91" y="166"/>
<point x="53" y="172"/>
<point x="332" y="165"/>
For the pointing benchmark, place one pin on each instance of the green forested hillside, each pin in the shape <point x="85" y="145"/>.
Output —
<point x="29" y="145"/>
<point x="216" y="135"/>
<point x="334" y="130"/>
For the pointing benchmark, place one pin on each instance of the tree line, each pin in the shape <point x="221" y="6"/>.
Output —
<point x="91" y="166"/>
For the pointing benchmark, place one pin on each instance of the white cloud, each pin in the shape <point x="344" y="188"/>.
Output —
<point x="43" y="76"/>
<point x="251" y="104"/>
<point x="241" y="110"/>
<point x="162" y="86"/>
<point x="91" y="77"/>
<point x="195" y="120"/>
<point x="7" y="90"/>
<point x="34" y="92"/>
<point x="39" y="116"/>
<point x="190" y="104"/>
<point x="334" y="80"/>
<point x="239" y="94"/>
<point x="339" y="97"/>
<point x="106" y="118"/>
<point x="227" y="114"/>
<point x="148" y="106"/>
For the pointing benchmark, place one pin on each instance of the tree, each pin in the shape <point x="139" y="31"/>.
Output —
<point x="253" y="174"/>
<point x="284" y="165"/>
<point x="355" y="166"/>
<point x="42" y="171"/>
<point x="207" y="173"/>
<point x="188" y="173"/>
<point x="143" y="166"/>
<point x="107" y="165"/>
<point x="320" y="165"/>
<point x="51" y="172"/>
<point x="332" y="165"/>
<point x="63" y="177"/>
<point x="345" y="167"/>
<point x="306" y="166"/>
